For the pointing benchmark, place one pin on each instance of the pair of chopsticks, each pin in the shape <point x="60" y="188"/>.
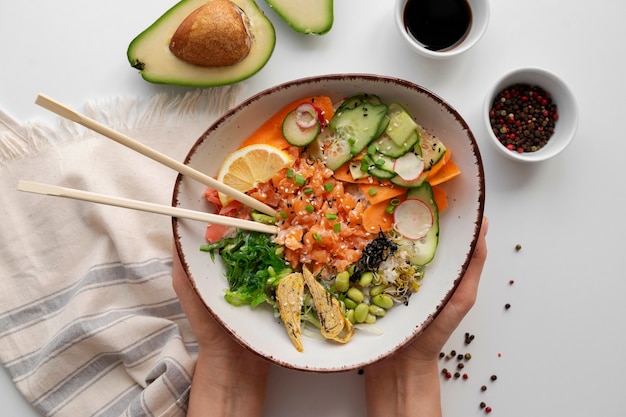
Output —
<point x="46" y="189"/>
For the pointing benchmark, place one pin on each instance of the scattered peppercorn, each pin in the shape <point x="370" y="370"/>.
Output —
<point x="460" y="366"/>
<point x="507" y="306"/>
<point x="468" y="338"/>
<point x="459" y="356"/>
<point x="483" y="388"/>
<point x="518" y="247"/>
<point x="457" y="374"/>
<point x="488" y="410"/>
<point x="441" y="355"/>
<point x="465" y="376"/>
<point x="494" y="377"/>
<point x="444" y="371"/>
<point x="482" y="404"/>
<point x="468" y="356"/>
<point x="360" y="371"/>
<point x="511" y="282"/>
<point x="523" y="117"/>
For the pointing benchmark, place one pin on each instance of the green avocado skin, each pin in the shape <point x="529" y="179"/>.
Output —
<point x="311" y="17"/>
<point x="149" y="51"/>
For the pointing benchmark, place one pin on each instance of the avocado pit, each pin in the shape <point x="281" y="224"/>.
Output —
<point x="214" y="35"/>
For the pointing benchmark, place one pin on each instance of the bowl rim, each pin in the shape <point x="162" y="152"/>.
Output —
<point x="477" y="223"/>
<point x="550" y="77"/>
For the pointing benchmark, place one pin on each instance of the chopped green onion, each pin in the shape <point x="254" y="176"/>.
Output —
<point x="290" y="173"/>
<point x="299" y="179"/>
<point x="331" y="216"/>
<point x="337" y="227"/>
<point x="308" y="190"/>
<point x="328" y="187"/>
<point x="395" y="201"/>
<point x="317" y="237"/>
<point x="283" y="214"/>
<point x="372" y="191"/>
<point x="379" y="163"/>
<point x="309" y="208"/>
<point x="390" y="209"/>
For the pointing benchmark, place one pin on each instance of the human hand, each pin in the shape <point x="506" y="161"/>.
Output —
<point x="228" y="380"/>
<point x="407" y="383"/>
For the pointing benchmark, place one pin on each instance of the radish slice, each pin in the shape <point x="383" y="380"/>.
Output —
<point x="409" y="166"/>
<point x="306" y="116"/>
<point x="413" y="219"/>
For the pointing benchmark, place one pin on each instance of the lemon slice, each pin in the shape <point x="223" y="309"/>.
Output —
<point x="245" y="168"/>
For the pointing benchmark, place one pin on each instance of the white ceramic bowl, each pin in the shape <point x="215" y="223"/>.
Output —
<point x="480" y="12"/>
<point x="258" y="329"/>
<point x="562" y="96"/>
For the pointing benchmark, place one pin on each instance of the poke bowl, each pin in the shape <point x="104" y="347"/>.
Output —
<point x="263" y="328"/>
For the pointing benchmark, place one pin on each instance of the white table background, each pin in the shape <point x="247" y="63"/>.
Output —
<point x="559" y="349"/>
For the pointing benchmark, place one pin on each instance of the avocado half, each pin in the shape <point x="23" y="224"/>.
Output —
<point x="149" y="52"/>
<point x="311" y="17"/>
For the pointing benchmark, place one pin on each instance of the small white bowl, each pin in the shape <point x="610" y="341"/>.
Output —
<point x="562" y="96"/>
<point x="480" y="13"/>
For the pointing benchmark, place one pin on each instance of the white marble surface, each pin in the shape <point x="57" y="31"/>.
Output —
<point x="557" y="350"/>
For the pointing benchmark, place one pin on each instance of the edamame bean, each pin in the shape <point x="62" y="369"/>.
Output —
<point x="366" y="279"/>
<point x="342" y="281"/>
<point x="349" y="303"/>
<point x="360" y="312"/>
<point x="370" y="319"/>
<point x="383" y="300"/>
<point x="355" y="295"/>
<point x="377" y="289"/>
<point x="350" y="316"/>
<point x="377" y="311"/>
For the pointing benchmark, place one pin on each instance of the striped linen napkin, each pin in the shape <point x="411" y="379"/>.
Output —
<point x="89" y="323"/>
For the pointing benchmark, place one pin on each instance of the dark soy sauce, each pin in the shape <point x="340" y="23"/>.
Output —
<point x="438" y="24"/>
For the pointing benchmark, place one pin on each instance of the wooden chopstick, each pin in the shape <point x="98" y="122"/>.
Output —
<point x="64" y="111"/>
<point x="54" y="190"/>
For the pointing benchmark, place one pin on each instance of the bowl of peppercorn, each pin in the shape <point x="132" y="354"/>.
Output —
<point x="531" y="115"/>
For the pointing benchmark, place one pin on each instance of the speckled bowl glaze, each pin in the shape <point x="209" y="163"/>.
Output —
<point x="258" y="329"/>
<point x="567" y="109"/>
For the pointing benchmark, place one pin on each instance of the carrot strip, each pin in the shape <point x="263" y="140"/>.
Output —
<point x="376" y="218"/>
<point x="441" y="199"/>
<point x="271" y="132"/>
<point x="446" y="173"/>
<point x="376" y="193"/>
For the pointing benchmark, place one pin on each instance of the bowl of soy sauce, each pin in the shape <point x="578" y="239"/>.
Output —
<point x="442" y="28"/>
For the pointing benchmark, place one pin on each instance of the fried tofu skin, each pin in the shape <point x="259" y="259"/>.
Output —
<point x="329" y="313"/>
<point x="289" y="294"/>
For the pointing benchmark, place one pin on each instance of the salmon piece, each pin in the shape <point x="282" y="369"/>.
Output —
<point x="289" y="296"/>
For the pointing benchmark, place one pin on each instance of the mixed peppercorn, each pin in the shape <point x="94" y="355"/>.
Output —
<point x="523" y="117"/>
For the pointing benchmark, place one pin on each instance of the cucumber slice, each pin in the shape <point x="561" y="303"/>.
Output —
<point x="423" y="250"/>
<point x="381" y="174"/>
<point x="387" y="146"/>
<point x="356" y="101"/>
<point x="377" y="166"/>
<point x="356" y="171"/>
<point x="401" y="124"/>
<point x="432" y="149"/>
<point x="399" y="181"/>
<point x="359" y="125"/>
<point x="331" y="149"/>
<point x="301" y="125"/>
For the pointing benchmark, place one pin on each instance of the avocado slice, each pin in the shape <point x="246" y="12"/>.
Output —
<point x="314" y="17"/>
<point x="150" y="51"/>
